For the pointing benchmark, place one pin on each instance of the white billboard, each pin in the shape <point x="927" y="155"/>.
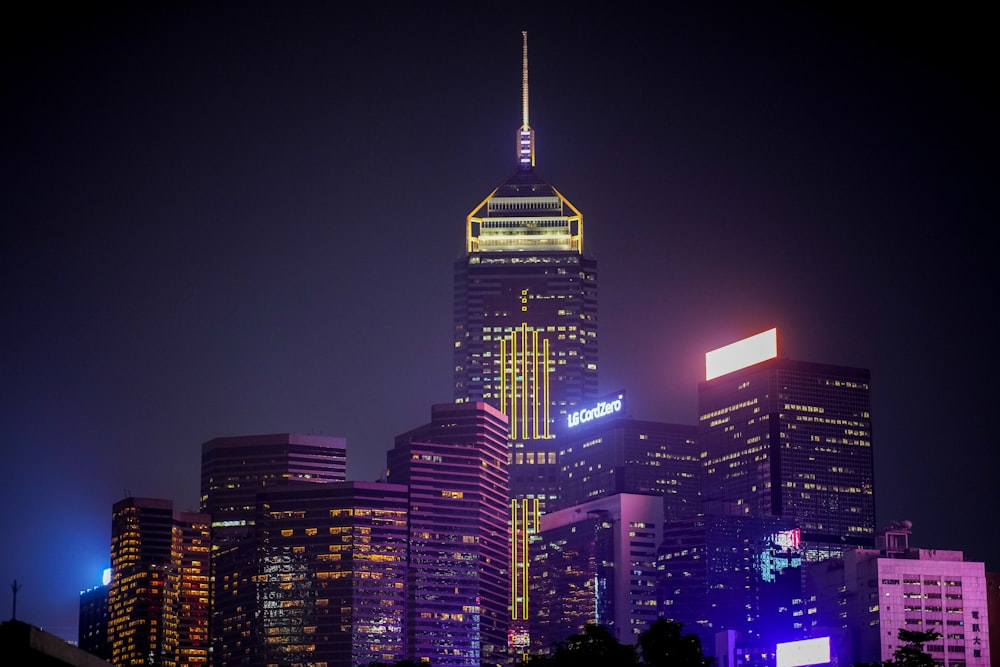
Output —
<point x="742" y="353"/>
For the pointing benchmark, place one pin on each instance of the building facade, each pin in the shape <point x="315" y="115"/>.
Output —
<point x="158" y="597"/>
<point x="92" y="631"/>
<point x="792" y="439"/>
<point x="596" y="563"/>
<point x="736" y="575"/>
<point x="322" y="580"/>
<point x="234" y="469"/>
<point x="612" y="453"/>
<point x="875" y="593"/>
<point x="456" y="472"/>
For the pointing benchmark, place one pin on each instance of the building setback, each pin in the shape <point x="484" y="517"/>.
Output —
<point x="455" y="469"/>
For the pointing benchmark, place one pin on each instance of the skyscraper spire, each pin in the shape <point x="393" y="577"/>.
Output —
<point x="525" y="135"/>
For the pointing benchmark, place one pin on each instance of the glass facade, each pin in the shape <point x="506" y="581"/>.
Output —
<point x="234" y="469"/>
<point x="624" y="455"/>
<point x="792" y="439"/>
<point x="718" y="573"/>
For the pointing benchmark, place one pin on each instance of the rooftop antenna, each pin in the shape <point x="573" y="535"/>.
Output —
<point x="525" y="135"/>
<point x="14" y="587"/>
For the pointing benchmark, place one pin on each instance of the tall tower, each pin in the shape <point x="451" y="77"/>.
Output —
<point x="525" y="338"/>
<point x="526" y="300"/>
<point x="789" y="439"/>
<point x="158" y="594"/>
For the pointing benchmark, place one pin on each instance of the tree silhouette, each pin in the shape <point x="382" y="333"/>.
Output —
<point x="594" y="647"/>
<point x="664" y="645"/>
<point x="911" y="653"/>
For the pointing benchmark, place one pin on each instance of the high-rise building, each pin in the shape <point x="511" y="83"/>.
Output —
<point x="603" y="452"/>
<point x="321" y="581"/>
<point x="719" y="573"/>
<point x="158" y="606"/>
<point x="455" y="469"/>
<point x="92" y="632"/>
<point x="789" y="439"/>
<point x="525" y="337"/>
<point x="596" y="563"/>
<point x="235" y="469"/>
<point x="875" y="593"/>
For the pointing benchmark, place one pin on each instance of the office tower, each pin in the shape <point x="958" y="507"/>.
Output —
<point x="234" y="469"/>
<point x="789" y="439"/>
<point x="455" y="468"/>
<point x="875" y="593"/>
<point x="158" y="595"/>
<point x="603" y="452"/>
<point x="525" y="338"/>
<point x="596" y="563"/>
<point x="92" y="632"/>
<point x="321" y="581"/>
<point x="719" y="573"/>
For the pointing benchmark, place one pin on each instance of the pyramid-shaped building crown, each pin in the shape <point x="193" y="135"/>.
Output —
<point x="524" y="213"/>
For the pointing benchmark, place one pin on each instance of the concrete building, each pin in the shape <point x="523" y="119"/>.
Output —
<point x="24" y="645"/>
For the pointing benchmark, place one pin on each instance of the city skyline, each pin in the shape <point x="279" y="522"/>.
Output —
<point x="204" y="236"/>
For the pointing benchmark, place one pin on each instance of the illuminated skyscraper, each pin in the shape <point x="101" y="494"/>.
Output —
<point x="158" y="611"/>
<point x="235" y="469"/>
<point x="603" y="452"/>
<point x="789" y="439"/>
<point x="525" y="338"/>
<point x="456" y="470"/>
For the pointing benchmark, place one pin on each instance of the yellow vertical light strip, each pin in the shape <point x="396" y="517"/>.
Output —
<point x="513" y="384"/>
<point x="548" y="403"/>
<point x="524" y="378"/>
<point x="513" y="559"/>
<point x="524" y="557"/>
<point x="503" y="375"/>
<point x="534" y="384"/>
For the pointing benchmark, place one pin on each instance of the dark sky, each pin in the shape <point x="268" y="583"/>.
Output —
<point x="235" y="217"/>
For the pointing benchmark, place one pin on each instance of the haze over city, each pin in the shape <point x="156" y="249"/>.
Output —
<point x="239" y="218"/>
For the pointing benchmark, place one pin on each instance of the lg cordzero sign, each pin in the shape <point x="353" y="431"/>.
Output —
<point x="609" y="406"/>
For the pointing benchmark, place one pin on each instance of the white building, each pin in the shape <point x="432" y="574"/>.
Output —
<point x="873" y="593"/>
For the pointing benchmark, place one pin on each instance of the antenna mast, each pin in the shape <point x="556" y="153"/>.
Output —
<point x="525" y="135"/>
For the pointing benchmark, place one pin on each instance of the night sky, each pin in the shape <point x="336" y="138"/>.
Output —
<point x="233" y="218"/>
